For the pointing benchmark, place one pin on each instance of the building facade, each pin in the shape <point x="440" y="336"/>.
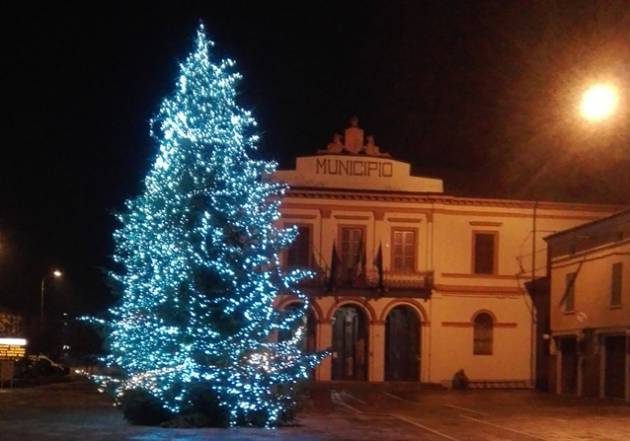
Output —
<point x="590" y="308"/>
<point x="413" y="284"/>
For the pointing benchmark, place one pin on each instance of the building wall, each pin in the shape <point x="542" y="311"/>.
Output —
<point x="592" y="289"/>
<point x="444" y="228"/>
<point x="590" y="251"/>
<point x="452" y="338"/>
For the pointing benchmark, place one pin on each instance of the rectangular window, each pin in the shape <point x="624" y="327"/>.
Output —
<point x="569" y="292"/>
<point x="483" y="335"/>
<point x="484" y="252"/>
<point x="352" y="250"/>
<point x="615" y="288"/>
<point x="299" y="252"/>
<point x="403" y="250"/>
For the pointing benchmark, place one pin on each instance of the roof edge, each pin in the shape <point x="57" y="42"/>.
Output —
<point x="434" y="197"/>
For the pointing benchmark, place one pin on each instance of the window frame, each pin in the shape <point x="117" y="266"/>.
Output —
<point x="495" y="252"/>
<point x="616" y="295"/>
<point x="392" y="259"/>
<point x="487" y="348"/>
<point x="569" y="294"/>
<point x="340" y="228"/>
<point x="310" y="246"/>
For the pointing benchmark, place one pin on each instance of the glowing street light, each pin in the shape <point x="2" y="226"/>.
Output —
<point x="599" y="102"/>
<point x="56" y="274"/>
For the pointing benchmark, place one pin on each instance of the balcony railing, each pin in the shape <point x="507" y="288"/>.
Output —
<point x="413" y="284"/>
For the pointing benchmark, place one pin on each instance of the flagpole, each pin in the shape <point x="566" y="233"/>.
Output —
<point x="378" y="263"/>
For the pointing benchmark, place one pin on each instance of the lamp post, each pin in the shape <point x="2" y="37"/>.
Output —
<point x="56" y="274"/>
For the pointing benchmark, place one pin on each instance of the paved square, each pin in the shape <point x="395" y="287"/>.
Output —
<point x="360" y="412"/>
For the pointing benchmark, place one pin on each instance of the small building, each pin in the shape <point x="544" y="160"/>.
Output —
<point x="413" y="284"/>
<point x="12" y="345"/>
<point x="590" y="308"/>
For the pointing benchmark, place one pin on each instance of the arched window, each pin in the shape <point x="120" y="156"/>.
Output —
<point x="483" y="330"/>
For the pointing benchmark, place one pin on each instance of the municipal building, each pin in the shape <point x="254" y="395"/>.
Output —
<point x="413" y="284"/>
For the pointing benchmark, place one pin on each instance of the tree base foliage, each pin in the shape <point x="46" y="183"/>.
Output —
<point x="141" y="408"/>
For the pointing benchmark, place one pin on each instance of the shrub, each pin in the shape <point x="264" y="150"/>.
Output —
<point x="204" y="409"/>
<point x="141" y="408"/>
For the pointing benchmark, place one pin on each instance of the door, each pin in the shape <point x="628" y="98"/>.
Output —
<point x="402" y="345"/>
<point x="615" y="370"/>
<point x="569" y="372"/>
<point x="350" y="344"/>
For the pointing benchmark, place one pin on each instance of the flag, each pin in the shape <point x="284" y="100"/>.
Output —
<point x="378" y="263"/>
<point x="334" y="268"/>
<point x="359" y="268"/>
<point x="569" y="288"/>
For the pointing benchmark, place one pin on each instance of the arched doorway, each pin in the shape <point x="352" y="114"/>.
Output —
<point x="309" y="342"/>
<point x="402" y="344"/>
<point x="350" y="344"/>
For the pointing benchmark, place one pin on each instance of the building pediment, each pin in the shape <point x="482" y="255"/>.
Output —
<point x="353" y="164"/>
<point x="357" y="172"/>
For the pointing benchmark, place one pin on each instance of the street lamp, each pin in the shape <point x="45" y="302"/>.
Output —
<point x="599" y="102"/>
<point x="56" y="274"/>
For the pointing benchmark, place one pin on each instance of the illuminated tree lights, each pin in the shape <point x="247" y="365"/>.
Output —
<point x="198" y="253"/>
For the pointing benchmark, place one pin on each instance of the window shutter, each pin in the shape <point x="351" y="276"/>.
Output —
<point x="298" y="254"/>
<point x="569" y="299"/>
<point x="484" y="253"/>
<point x="483" y="335"/>
<point x="615" y="294"/>
<point x="351" y="248"/>
<point x="403" y="250"/>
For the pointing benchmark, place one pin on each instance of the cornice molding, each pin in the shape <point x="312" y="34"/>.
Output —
<point x="471" y="325"/>
<point x="480" y="276"/>
<point x="478" y="290"/>
<point x="387" y="196"/>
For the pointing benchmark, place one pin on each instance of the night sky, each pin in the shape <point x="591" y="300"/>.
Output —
<point x="483" y="95"/>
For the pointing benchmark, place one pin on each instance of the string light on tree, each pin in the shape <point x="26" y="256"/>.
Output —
<point x="198" y="253"/>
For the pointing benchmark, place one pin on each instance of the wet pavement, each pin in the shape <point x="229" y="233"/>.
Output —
<point x="349" y="412"/>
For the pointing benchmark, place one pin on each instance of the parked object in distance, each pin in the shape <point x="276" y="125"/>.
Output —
<point x="40" y="365"/>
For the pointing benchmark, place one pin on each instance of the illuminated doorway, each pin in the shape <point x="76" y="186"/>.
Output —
<point x="350" y="344"/>
<point x="402" y="345"/>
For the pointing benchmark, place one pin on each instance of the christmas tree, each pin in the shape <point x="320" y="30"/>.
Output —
<point x="198" y="253"/>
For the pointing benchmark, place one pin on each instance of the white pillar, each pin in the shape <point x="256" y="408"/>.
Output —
<point x="376" y="368"/>
<point x="324" y="341"/>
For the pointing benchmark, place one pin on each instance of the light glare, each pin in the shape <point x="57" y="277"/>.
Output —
<point x="599" y="102"/>
<point x="13" y="341"/>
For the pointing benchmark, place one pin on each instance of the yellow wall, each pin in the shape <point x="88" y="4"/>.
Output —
<point x="592" y="289"/>
<point x="444" y="246"/>
<point x="444" y="249"/>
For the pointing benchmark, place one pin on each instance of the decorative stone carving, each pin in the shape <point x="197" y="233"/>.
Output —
<point x="372" y="149"/>
<point x="335" y="146"/>
<point x="353" y="142"/>
<point x="353" y="137"/>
